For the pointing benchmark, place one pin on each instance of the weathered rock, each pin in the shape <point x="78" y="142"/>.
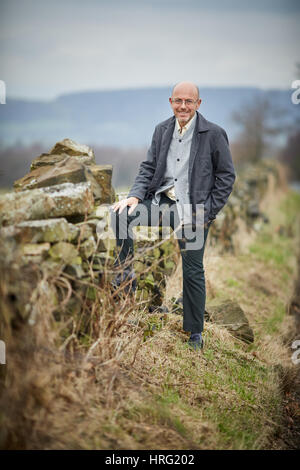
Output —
<point x="139" y="266"/>
<point x="97" y="189"/>
<point x="65" y="252"/>
<point x="47" y="291"/>
<point x="35" y="249"/>
<point x="143" y="233"/>
<point x="106" y="239"/>
<point x="36" y="231"/>
<point x="88" y="247"/>
<point x="72" y="148"/>
<point x="90" y="227"/>
<point x="85" y="231"/>
<point x="18" y="281"/>
<point x="61" y="200"/>
<point x="103" y="175"/>
<point x="101" y="212"/>
<point x="46" y="159"/>
<point x="75" y="270"/>
<point x="67" y="170"/>
<point x="103" y="227"/>
<point x="106" y="243"/>
<point x="97" y="265"/>
<point x="230" y="315"/>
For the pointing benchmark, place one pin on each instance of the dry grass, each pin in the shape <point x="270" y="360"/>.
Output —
<point x="111" y="376"/>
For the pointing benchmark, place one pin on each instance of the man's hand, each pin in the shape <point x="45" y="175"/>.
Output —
<point x="130" y="201"/>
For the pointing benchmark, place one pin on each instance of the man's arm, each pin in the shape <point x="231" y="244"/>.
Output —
<point x="224" y="173"/>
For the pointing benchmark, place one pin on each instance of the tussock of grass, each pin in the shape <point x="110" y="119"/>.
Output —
<point x="224" y="388"/>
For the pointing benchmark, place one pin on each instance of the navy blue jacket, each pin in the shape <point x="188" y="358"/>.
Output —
<point x="211" y="171"/>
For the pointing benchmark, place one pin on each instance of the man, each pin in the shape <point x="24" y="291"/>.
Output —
<point x="188" y="166"/>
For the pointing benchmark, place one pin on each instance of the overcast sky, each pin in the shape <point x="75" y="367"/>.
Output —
<point x="52" y="47"/>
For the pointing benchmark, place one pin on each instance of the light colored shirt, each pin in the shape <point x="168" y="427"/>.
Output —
<point x="182" y="130"/>
<point x="176" y="172"/>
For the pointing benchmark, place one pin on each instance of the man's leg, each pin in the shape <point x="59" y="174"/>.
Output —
<point x="145" y="214"/>
<point x="194" y="292"/>
<point x="122" y="226"/>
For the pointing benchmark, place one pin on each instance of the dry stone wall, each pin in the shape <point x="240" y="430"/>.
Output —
<point x="57" y="218"/>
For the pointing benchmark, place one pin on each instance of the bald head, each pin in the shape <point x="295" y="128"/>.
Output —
<point x="185" y="101"/>
<point x="186" y="87"/>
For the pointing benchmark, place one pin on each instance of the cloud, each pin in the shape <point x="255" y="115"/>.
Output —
<point x="50" y="48"/>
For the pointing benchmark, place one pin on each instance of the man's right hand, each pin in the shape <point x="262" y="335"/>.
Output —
<point x="130" y="201"/>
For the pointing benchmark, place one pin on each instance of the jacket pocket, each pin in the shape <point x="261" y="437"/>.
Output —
<point x="201" y="196"/>
<point x="204" y="197"/>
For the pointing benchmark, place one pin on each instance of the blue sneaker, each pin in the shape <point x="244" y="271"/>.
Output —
<point x="196" y="341"/>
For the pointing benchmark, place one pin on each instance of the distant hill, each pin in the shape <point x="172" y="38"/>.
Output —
<point x="121" y="118"/>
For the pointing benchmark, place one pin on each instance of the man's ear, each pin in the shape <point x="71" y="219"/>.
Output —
<point x="199" y="102"/>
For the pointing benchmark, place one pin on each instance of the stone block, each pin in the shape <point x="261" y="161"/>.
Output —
<point x="103" y="175"/>
<point x="88" y="247"/>
<point x="37" y="231"/>
<point x="67" y="170"/>
<point x="61" y="200"/>
<point x="65" y="252"/>
<point x="230" y="315"/>
<point x="35" y="249"/>
<point x="72" y="148"/>
<point x="101" y="212"/>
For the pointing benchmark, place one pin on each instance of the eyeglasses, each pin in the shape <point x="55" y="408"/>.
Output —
<point x="179" y="101"/>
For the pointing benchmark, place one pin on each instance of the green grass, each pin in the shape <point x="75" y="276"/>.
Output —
<point x="275" y="244"/>
<point x="273" y="249"/>
<point x="291" y="207"/>
<point x="232" y="282"/>
<point x="272" y="324"/>
<point x="237" y="395"/>
<point x="240" y="414"/>
<point x="157" y="412"/>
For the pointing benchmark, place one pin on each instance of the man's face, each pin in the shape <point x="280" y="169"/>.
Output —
<point x="184" y="102"/>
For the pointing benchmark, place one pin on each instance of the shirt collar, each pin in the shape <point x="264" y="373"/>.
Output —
<point x="187" y="126"/>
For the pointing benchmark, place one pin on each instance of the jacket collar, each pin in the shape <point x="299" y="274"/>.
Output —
<point x="201" y="123"/>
